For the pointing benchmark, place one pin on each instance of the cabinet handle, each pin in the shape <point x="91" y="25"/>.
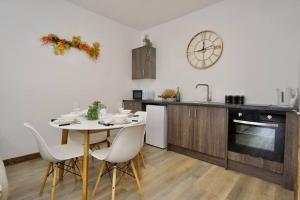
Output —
<point x="195" y="113"/>
<point x="143" y="72"/>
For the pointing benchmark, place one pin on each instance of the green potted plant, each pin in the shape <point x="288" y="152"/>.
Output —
<point x="148" y="45"/>
<point x="93" y="110"/>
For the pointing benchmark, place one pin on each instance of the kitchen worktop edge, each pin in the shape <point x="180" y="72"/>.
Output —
<point x="218" y="104"/>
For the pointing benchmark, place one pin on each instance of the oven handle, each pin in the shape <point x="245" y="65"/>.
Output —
<point x="255" y="123"/>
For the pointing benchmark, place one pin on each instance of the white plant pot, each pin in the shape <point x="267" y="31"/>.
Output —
<point x="3" y="182"/>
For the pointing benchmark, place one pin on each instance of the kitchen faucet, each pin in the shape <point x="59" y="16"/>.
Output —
<point x="208" y="99"/>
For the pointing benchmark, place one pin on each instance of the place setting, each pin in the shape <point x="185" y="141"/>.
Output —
<point x="96" y="114"/>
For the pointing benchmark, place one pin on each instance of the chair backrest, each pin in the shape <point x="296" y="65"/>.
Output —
<point x="42" y="145"/>
<point x="143" y="114"/>
<point x="126" y="144"/>
<point x="3" y="182"/>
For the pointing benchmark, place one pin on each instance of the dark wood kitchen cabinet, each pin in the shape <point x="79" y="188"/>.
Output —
<point x="133" y="105"/>
<point x="199" y="128"/>
<point x="180" y="126"/>
<point x="143" y="63"/>
<point x="210" y="130"/>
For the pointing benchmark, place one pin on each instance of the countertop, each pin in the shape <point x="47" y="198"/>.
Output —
<point x="219" y="104"/>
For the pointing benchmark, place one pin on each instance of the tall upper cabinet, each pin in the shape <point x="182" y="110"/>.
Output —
<point x="144" y="63"/>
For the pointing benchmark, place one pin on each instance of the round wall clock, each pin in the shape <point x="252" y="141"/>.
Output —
<point x="204" y="49"/>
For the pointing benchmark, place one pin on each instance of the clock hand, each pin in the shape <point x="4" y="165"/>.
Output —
<point x="210" y="47"/>
<point x="203" y="49"/>
<point x="199" y="50"/>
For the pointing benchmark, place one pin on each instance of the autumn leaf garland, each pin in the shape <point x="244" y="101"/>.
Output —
<point x="60" y="45"/>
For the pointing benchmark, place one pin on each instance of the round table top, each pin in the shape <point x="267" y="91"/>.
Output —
<point x="93" y="125"/>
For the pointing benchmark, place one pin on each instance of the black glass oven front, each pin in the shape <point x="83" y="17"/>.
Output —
<point x="257" y="133"/>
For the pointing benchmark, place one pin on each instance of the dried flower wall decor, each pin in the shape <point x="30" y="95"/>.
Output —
<point x="60" y="45"/>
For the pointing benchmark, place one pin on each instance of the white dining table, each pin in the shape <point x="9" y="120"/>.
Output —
<point x="87" y="127"/>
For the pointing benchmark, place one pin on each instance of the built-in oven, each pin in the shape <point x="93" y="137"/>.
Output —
<point x="257" y="133"/>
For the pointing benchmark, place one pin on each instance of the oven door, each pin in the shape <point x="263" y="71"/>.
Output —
<point x="260" y="139"/>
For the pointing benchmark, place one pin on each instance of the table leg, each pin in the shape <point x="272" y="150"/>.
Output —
<point x="137" y="165"/>
<point x="85" y="171"/>
<point x="64" y="140"/>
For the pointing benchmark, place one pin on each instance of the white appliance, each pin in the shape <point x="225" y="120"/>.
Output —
<point x="156" y="128"/>
<point x="148" y="94"/>
<point x="287" y="96"/>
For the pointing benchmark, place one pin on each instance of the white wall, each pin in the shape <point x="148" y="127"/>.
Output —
<point x="36" y="85"/>
<point x="261" y="50"/>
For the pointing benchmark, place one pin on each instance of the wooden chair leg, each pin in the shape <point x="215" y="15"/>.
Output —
<point x="102" y="167"/>
<point x="45" y="178"/>
<point x="79" y="166"/>
<point x="125" y="168"/>
<point x="68" y="166"/>
<point x="136" y="178"/>
<point x="54" y="182"/>
<point x="73" y="166"/>
<point x="113" y="190"/>
<point x="142" y="157"/>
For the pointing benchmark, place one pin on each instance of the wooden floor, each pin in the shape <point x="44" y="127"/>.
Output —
<point x="168" y="176"/>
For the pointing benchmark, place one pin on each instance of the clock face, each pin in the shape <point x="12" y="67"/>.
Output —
<point x="204" y="49"/>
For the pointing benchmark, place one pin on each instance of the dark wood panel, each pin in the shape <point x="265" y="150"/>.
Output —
<point x="180" y="126"/>
<point x="174" y="124"/>
<point x="291" y="150"/>
<point x="186" y="127"/>
<point x="150" y="64"/>
<point x="257" y="172"/>
<point x="256" y="162"/>
<point x="210" y="130"/>
<point x="197" y="155"/>
<point x="133" y="106"/>
<point x="137" y="60"/>
<point x="20" y="159"/>
<point x="143" y="63"/>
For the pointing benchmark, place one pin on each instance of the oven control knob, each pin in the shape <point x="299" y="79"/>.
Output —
<point x="240" y="114"/>
<point x="269" y="116"/>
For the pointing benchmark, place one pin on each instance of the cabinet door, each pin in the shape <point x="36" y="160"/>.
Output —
<point x="180" y="126"/>
<point x="133" y="106"/>
<point x="210" y="129"/>
<point x="137" y="63"/>
<point x="150" y="64"/>
<point x="144" y="63"/>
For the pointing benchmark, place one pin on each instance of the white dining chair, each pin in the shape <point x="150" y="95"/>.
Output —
<point x="3" y="182"/>
<point x="124" y="148"/>
<point x="143" y="115"/>
<point x="55" y="155"/>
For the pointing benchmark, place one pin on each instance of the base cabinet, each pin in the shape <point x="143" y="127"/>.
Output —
<point x="133" y="106"/>
<point x="210" y="131"/>
<point x="180" y="126"/>
<point x="198" y="128"/>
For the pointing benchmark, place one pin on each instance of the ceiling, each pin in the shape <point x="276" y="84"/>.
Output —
<point x="143" y="14"/>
